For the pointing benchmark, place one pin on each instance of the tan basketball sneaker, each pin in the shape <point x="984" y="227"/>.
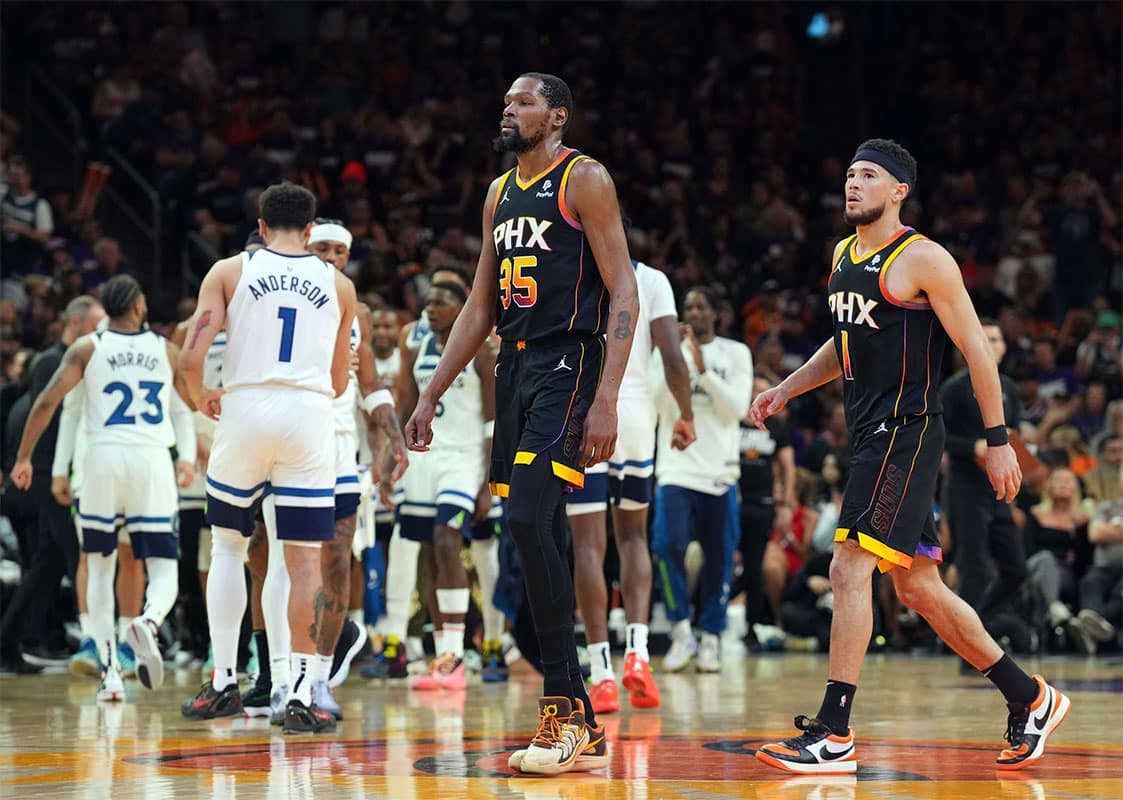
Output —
<point x="562" y="737"/>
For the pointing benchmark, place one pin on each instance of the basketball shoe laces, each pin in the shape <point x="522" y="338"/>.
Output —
<point x="445" y="664"/>
<point x="815" y="732"/>
<point x="1016" y="726"/>
<point x="550" y="730"/>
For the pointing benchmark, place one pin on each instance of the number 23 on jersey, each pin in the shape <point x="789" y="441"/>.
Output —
<point x="515" y="285"/>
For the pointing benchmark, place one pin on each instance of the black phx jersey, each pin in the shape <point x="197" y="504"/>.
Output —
<point x="549" y="283"/>
<point x="891" y="351"/>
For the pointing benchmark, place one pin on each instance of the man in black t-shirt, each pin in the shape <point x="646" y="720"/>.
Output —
<point x="767" y="476"/>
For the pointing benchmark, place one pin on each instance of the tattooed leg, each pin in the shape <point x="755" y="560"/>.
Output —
<point x="305" y="594"/>
<point x="335" y="563"/>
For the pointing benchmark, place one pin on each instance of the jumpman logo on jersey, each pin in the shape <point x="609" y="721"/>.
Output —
<point x="882" y="428"/>
<point x="506" y="196"/>
<point x="563" y="365"/>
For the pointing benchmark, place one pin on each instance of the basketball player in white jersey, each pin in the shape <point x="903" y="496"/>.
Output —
<point x="401" y="557"/>
<point x="288" y="317"/>
<point x="194" y="535"/>
<point x="445" y="490"/>
<point x="331" y="242"/>
<point x="696" y="488"/>
<point x="66" y="487"/>
<point x="625" y="481"/>
<point x="128" y="372"/>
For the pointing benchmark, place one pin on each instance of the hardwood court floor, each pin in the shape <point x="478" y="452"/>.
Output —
<point x="924" y="732"/>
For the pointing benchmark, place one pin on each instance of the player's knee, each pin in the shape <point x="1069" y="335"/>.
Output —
<point x="228" y="543"/>
<point x="848" y="575"/>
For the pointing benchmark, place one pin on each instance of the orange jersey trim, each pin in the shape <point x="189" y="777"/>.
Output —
<point x="499" y="191"/>
<point x="841" y="254"/>
<point x="569" y="474"/>
<point x="499" y="489"/>
<point x="878" y="249"/>
<point x="562" y="207"/>
<point x="888" y="558"/>
<point x="885" y="268"/>
<point x="561" y="157"/>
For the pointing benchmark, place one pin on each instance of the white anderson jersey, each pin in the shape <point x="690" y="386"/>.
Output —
<point x="720" y="397"/>
<point x="656" y="299"/>
<point x="281" y="323"/>
<point x="344" y="406"/>
<point x="128" y="383"/>
<point x="459" y="422"/>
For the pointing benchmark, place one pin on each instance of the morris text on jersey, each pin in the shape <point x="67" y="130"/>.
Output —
<point x="853" y="308"/>
<point x="522" y="232"/>
<point x="131" y="359"/>
<point x="289" y="283"/>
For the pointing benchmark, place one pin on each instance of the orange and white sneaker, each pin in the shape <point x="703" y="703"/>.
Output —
<point x="1027" y="728"/>
<point x="561" y="737"/>
<point x="446" y="672"/>
<point x="817" y="751"/>
<point x="604" y="697"/>
<point x="640" y="683"/>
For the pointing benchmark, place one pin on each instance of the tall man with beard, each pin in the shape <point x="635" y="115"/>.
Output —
<point x="895" y="298"/>
<point x="557" y="278"/>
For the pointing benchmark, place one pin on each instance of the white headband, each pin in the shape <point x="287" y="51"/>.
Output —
<point x="330" y="232"/>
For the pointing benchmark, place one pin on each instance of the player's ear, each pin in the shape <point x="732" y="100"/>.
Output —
<point x="261" y="229"/>
<point x="308" y="232"/>
<point x="561" y="116"/>
<point x="901" y="192"/>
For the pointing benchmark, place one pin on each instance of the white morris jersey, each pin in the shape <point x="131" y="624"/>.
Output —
<point x="459" y="422"/>
<point x="129" y="389"/>
<point x="656" y="299"/>
<point x="344" y="405"/>
<point x="281" y="323"/>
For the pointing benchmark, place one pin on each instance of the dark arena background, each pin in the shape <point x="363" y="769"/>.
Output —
<point x="136" y="139"/>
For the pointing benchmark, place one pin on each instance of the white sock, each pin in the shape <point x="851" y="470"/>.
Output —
<point x="302" y="667"/>
<point x="84" y="623"/>
<point x="486" y="555"/>
<point x="454" y="638"/>
<point x="600" y="659"/>
<point x="356" y="616"/>
<point x="636" y="637"/>
<point x="322" y="668"/>
<point x="163" y="587"/>
<point x="401" y="579"/>
<point x="101" y="597"/>
<point x="682" y="630"/>
<point x="123" y="623"/>
<point x="275" y="600"/>
<point x="226" y="600"/>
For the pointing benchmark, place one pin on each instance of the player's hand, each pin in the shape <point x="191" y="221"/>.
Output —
<point x="598" y="441"/>
<point x="184" y="473"/>
<point x="1004" y="473"/>
<point x="419" y="429"/>
<point x="766" y="404"/>
<point x="209" y="402"/>
<point x="397" y="458"/>
<point x="386" y="495"/>
<point x="692" y="346"/>
<point x="60" y="490"/>
<point x="682" y="434"/>
<point x="21" y="474"/>
<point x="483" y="504"/>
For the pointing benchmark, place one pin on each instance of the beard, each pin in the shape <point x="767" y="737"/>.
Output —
<point x="516" y="142"/>
<point x="867" y="217"/>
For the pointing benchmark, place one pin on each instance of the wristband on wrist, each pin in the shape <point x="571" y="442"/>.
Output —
<point x="489" y="429"/>
<point x="382" y="397"/>
<point x="997" y="436"/>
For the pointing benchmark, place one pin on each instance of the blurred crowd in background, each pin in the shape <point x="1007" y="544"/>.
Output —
<point x="727" y="134"/>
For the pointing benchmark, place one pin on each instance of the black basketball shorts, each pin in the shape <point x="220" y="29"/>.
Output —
<point x="543" y="390"/>
<point x="887" y="505"/>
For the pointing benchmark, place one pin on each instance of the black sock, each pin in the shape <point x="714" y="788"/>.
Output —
<point x="577" y="689"/>
<point x="1017" y="687"/>
<point x="835" y="711"/>
<point x="555" y="673"/>
<point x="264" y="675"/>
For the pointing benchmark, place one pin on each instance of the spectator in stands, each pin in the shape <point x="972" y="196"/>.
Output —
<point x="26" y="219"/>
<point x="790" y="545"/>
<point x="108" y="262"/>
<point x="835" y="439"/>
<point x="1101" y="354"/>
<point x="1054" y="528"/>
<point x="1102" y="483"/>
<point x="1101" y="588"/>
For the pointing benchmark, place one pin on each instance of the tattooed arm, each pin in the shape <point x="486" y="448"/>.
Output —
<point x="592" y="196"/>
<point x="383" y="427"/>
<point x="209" y="319"/>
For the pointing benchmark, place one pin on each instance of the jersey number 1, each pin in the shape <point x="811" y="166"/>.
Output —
<point x="288" y="325"/>
<point x="846" y="371"/>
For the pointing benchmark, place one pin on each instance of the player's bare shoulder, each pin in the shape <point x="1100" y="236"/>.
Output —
<point x="920" y="267"/>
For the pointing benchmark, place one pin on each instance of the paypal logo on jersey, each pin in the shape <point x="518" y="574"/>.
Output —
<point x="522" y="232"/>
<point x="854" y="308"/>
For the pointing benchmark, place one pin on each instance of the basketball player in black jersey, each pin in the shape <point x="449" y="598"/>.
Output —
<point x="894" y="298"/>
<point x="557" y="277"/>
